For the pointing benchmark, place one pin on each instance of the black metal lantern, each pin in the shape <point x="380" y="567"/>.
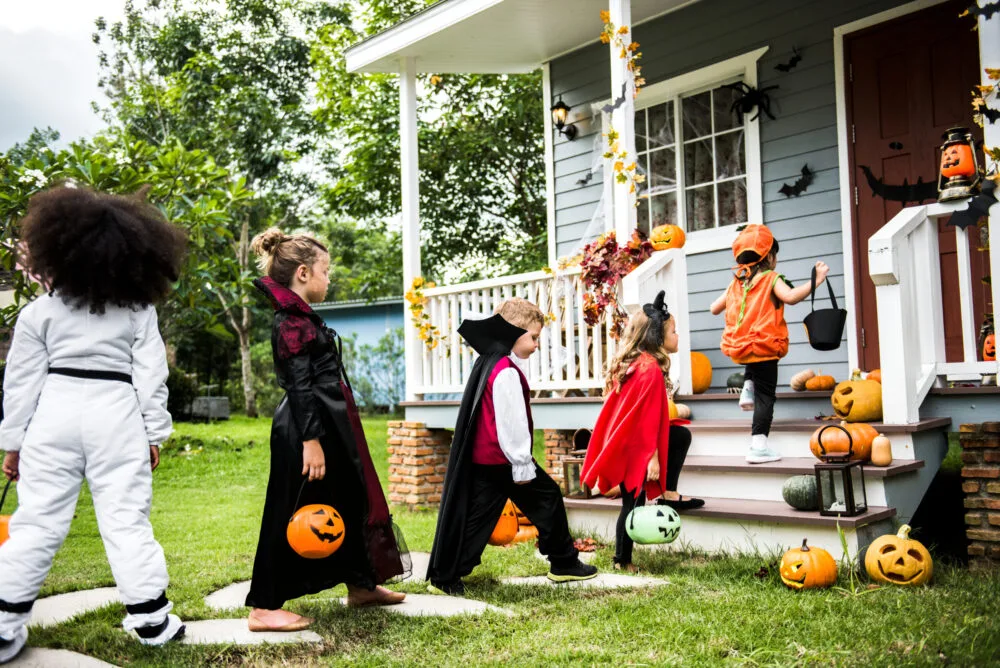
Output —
<point x="840" y="482"/>
<point x="959" y="172"/>
<point x="560" y="112"/>
<point x="573" y="487"/>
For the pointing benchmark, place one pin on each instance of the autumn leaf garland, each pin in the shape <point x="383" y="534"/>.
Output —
<point x="623" y="163"/>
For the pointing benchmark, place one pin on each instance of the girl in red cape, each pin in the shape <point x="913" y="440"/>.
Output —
<point x="635" y="445"/>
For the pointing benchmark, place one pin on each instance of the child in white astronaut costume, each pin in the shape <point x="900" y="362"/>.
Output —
<point x="85" y="398"/>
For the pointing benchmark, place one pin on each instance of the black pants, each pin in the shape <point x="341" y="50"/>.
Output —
<point x="680" y="442"/>
<point x="765" y="383"/>
<point x="541" y="502"/>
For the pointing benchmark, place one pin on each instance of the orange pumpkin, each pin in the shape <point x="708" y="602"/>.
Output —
<point x="835" y="441"/>
<point x="858" y="401"/>
<point x="807" y="568"/>
<point x="315" y="531"/>
<point x="820" y="383"/>
<point x="701" y="373"/>
<point x="667" y="236"/>
<point x="956" y="160"/>
<point x="899" y="560"/>
<point x="990" y="348"/>
<point x="4" y="533"/>
<point x="525" y="533"/>
<point x="875" y="375"/>
<point x="506" y="528"/>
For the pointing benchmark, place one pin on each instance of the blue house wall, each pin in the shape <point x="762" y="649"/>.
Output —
<point x="368" y="321"/>
<point x="804" y="132"/>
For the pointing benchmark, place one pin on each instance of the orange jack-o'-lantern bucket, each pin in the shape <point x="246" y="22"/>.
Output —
<point x="4" y="519"/>
<point x="316" y="530"/>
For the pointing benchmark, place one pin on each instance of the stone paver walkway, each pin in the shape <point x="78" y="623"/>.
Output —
<point x="53" y="610"/>
<point x="235" y="632"/>
<point x="431" y="605"/>
<point x="603" y="580"/>
<point x="229" y="598"/>
<point x="34" y="657"/>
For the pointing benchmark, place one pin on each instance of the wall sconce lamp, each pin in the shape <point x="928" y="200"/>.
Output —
<point x="560" y="111"/>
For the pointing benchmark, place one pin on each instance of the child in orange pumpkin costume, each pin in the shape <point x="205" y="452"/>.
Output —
<point x="756" y="334"/>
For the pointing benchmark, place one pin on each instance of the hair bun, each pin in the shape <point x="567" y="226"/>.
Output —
<point x="267" y="241"/>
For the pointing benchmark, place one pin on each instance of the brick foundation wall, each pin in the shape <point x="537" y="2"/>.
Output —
<point x="981" y="484"/>
<point x="418" y="459"/>
<point x="558" y="445"/>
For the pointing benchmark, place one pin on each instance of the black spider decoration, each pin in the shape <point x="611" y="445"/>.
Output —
<point x="750" y="99"/>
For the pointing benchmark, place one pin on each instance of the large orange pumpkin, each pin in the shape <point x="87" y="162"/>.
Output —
<point x="899" y="560"/>
<point x="990" y="348"/>
<point x="858" y="401"/>
<point x="701" y="373"/>
<point x="835" y="441"/>
<point x="315" y="531"/>
<point x="807" y="568"/>
<point x="667" y="236"/>
<point x="506" y="528"/>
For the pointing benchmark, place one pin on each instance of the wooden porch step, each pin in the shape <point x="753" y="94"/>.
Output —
<point x="729" y="396"/>
<point x="957" y="391"/>
<point x="776" y="512"/>
<point x="926" y="424"/>
<point x="789" y="466"/>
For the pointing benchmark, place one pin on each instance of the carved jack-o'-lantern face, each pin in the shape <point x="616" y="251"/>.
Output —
<point x="506" y="528"/>
<point x="315" y="531"/>
<point x="649" y="525"/>
<point x="990" y="348"/>
<point x="899" y="560"/>
<point x="858" y="401"/>
<point x="667" y="236"/>
<point x="807" y="568"/>
<point x="956" y="160"/>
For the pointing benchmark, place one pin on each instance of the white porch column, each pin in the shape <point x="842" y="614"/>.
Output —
<point x="989" y="56"/>
<point x="410" y="187"/>
<point x="622" y="120"/>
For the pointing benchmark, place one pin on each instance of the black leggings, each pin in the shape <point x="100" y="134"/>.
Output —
<point x="765" y="383"/>
<point x="680" y="442"/>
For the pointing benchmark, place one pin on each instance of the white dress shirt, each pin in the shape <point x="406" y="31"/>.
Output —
<point x="513" y="431"/>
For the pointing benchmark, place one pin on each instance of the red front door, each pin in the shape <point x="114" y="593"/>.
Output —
<point x="909" y="80"/>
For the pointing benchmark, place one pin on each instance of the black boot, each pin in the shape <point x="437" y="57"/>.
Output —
<point x="576" y="571"/>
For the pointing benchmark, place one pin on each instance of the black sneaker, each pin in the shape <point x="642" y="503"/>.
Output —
<point x="683" y="503"/>
<point x="456" y="588"/>
<point x="576" y="571"/>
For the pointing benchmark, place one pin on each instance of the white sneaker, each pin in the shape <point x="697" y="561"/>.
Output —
<point x="172" y="630"/>
<point x="762" y="455"/>
<point x="746" y="396"/>
<point x="11" y="648"/>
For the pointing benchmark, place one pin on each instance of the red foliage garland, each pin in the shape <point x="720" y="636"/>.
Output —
<point x="603" y="266"/>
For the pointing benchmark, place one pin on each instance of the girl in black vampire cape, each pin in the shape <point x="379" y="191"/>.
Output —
<point x="318" y="447"/>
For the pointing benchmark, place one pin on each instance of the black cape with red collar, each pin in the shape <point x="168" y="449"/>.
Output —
<point x="493" y="338"/>
<point x="318" y="404"/>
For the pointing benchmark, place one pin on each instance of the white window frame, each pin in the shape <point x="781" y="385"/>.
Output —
<point x="743" y="67"/>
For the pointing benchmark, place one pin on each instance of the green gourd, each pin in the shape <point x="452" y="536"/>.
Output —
<point x="800" y="492"/>
<point x="735" y="381"/>
<point x="653" y="524"/>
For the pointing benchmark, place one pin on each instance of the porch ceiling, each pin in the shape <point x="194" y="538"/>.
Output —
<point x="492" y="36"/>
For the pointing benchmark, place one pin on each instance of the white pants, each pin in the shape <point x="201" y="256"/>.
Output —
<point x="84" y="429"/>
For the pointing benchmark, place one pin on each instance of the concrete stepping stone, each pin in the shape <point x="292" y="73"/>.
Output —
<point x="38" y="657"/>
<point x="53" y="610"/>
<point x="433" y="605"/>
<point x="419" y="561"/>
<point x="602" y="581"/>
<point x="229" y="598"/>
<point x="235" y="632"/>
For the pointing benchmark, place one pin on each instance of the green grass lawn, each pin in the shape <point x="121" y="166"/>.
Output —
<point x="208" y="496"/>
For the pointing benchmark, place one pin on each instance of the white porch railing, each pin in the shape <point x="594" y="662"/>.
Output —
<point x="904" y="264"/>
<point x="572" y="355"/>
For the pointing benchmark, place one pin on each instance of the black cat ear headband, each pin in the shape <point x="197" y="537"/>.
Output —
<point x="658" y="314"/>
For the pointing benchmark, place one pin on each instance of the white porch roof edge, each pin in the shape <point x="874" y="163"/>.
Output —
<point x="492" y="36"/>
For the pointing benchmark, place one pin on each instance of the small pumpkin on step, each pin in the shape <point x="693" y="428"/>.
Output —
<point x="800" y="492"/>
<point x="734" y="384"/>
<point x="881" y="451"/>
<point x="820" y="384"/>
<point x="679" y="411"/>
<point x="799" y="380"/>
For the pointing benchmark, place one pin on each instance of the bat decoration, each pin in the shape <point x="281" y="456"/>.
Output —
<point x="619" y="101"/>
<point x="904" y="193"/>
<point x="800" y="185"/>
<point x="992" y="115"/>
<point x="585" y="180"/>
<point x="790" y="65"/>
<point x="986" y="11"/>
<point x="750" y="99"/>
<point x="979" y="206"/>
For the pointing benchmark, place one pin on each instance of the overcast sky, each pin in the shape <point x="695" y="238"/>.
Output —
<point x="48" y="66"/>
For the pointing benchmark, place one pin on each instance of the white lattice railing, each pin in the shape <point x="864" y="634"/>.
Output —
<point x="904" y="263"/>
<point x="571" y="354"/>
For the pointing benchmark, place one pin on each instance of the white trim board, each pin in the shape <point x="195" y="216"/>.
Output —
<point x="843" y="158"/>
<point x="550" y="166"/>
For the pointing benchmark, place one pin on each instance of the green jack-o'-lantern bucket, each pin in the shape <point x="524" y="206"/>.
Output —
<point x="653" y="524"/>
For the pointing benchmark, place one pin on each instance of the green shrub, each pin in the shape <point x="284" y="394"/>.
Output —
<point x="182" y="388"/>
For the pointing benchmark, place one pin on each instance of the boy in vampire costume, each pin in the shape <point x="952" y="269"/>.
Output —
<point x="491" y="458"/>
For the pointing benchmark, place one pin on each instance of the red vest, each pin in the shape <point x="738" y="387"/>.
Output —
<point x="485" y="443"/>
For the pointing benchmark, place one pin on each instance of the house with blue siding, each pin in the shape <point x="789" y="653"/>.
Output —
<point x="367" y="321"/>
<point x="798" y="114"/>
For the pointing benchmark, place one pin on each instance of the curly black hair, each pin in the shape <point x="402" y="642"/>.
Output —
<point x="94" y="249"/>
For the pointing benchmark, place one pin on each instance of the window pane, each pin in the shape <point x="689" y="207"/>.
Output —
<point x="733" y="202"/>
<point x="642" y="215"/>
<point x="698" y="166"/>
<point x="700" y="208"/>
<point x="730" y="156"/>
<point x="661" y="125"/>
<point x="664" y="209"/>
<point x="697" y="115"/>
<point x="640" y="130"/>
<point x="725" y="118"/>
<point x="663" y="170"/>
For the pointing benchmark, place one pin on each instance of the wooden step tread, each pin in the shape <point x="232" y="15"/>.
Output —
<point x="926" y="424"/>
<point x="777" y="512"/>
<point x="728" y="396"/>
<point x="953" y="391"/>
<point x="790" y="466"/>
